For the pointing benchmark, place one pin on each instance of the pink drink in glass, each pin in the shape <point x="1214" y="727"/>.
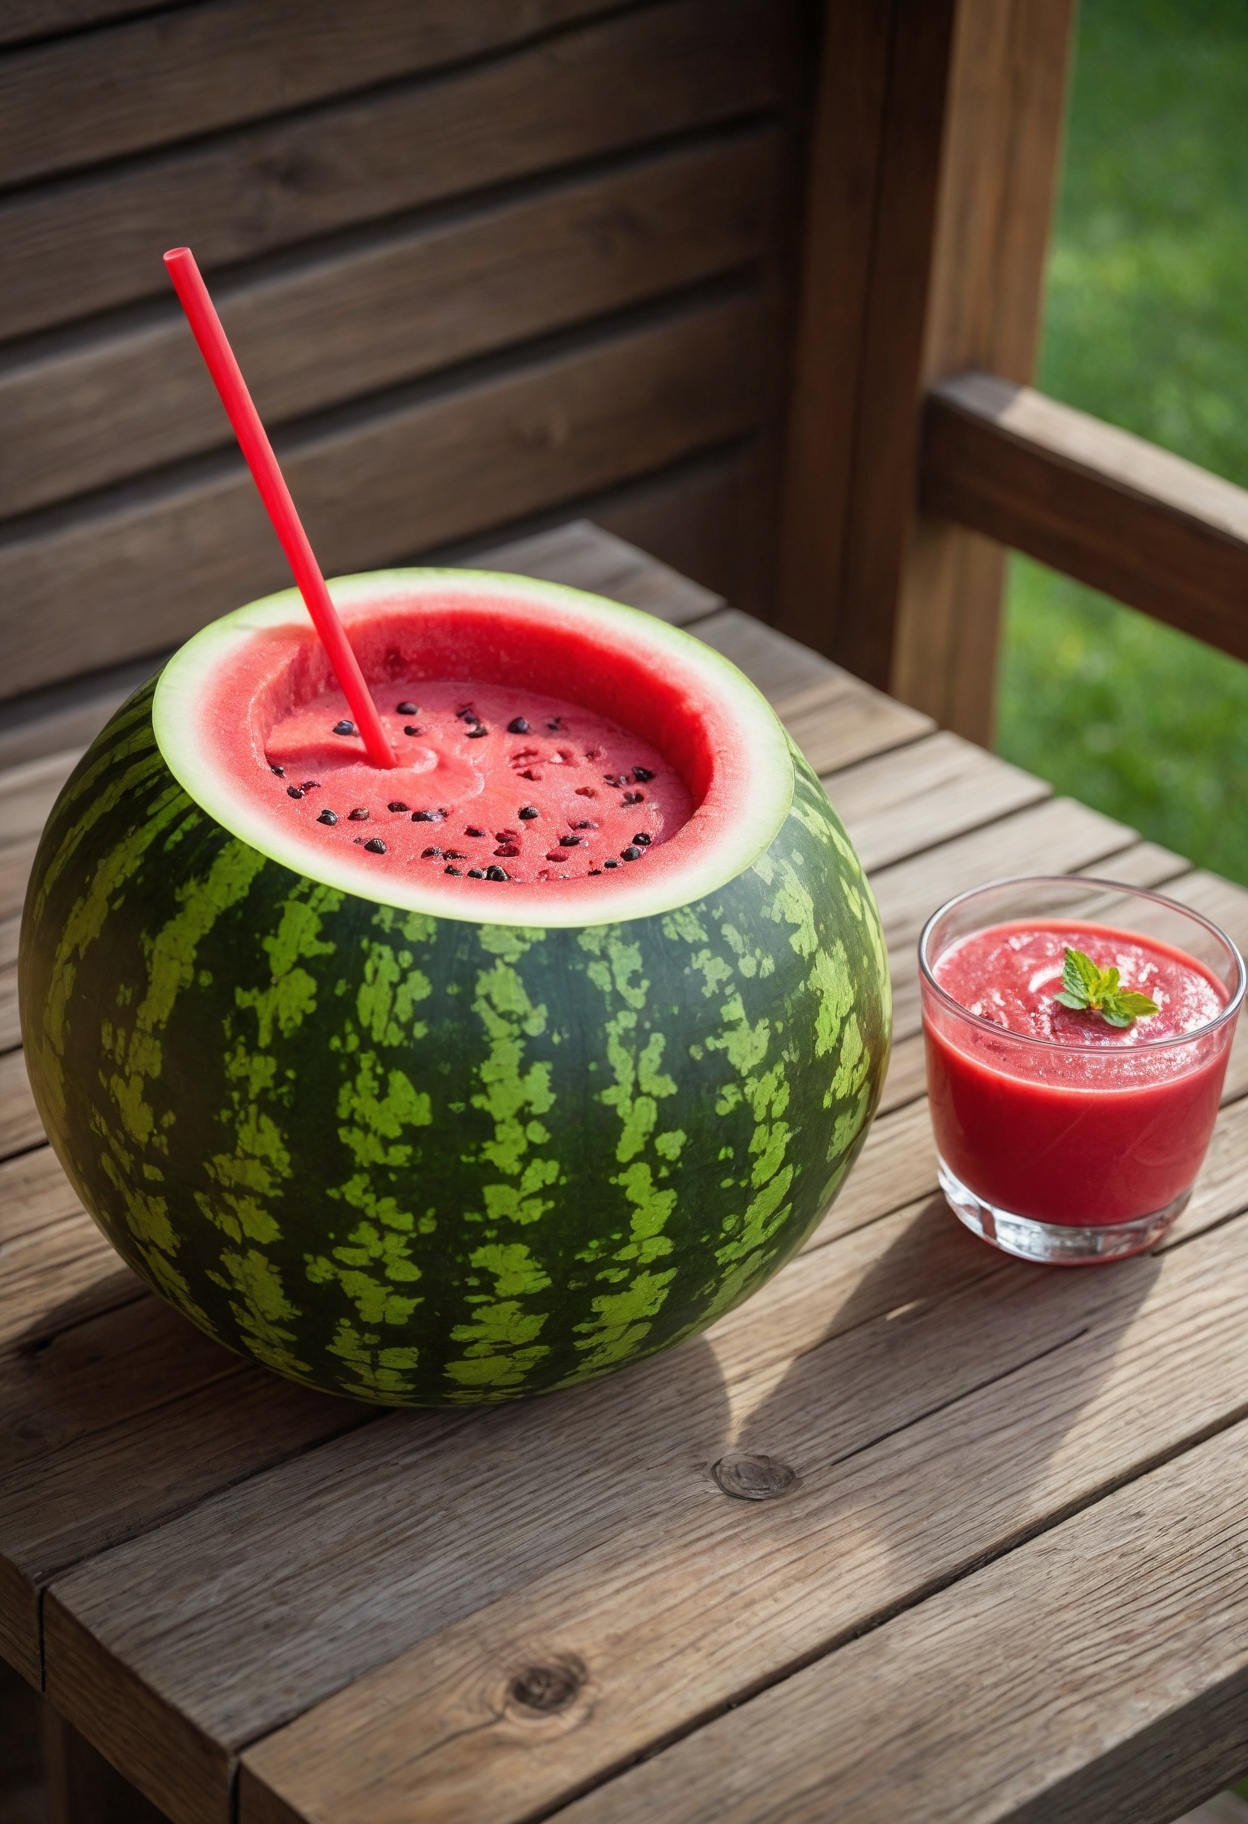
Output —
<point x="1060" y="1136"/>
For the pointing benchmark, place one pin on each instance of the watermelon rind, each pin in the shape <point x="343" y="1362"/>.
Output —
<point x="417" y="1155"/>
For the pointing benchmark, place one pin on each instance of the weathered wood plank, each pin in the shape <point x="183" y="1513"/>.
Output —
<point x="27" y="794"/>
<point x="338" y="325"/>
<point x="390" y="479"/>
<point x="778" y="665"/>
<point x="916" y="798"/>
<point x="15" y="865"/>
<point x="202" y="68"/>
<point x="1134" y="1680"/>
<point x="1060" y="836"/>
<point x="1008" y="1405"/>
<point x="86" y="244"/>
<point x="30" y="19"/>
<point x="842" y="720"/>
<point x="583" y="556"/>
<point x="1094" y="501"/>
<point x="20" y="1126"/>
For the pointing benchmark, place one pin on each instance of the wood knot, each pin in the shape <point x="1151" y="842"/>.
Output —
<point x="754" y="1478"/>
<point x="545" y="1690"/>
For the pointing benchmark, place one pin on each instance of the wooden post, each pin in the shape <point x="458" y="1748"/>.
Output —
<point x="932" y="179"/>
<point x="82" y="1788"/>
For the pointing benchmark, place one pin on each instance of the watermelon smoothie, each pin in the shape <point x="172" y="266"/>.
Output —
<point x="1060" y="1136"/>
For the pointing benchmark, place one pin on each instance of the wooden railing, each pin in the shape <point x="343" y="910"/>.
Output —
<point x="1089" y="499"/>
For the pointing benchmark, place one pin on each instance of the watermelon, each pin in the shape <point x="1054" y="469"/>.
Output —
<point x="380" y="1080"/>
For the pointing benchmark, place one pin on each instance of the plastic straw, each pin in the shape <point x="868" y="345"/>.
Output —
<point x="227" y="377"/>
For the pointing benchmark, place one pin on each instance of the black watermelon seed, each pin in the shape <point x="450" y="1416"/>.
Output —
<point x="634" y="798"/>
<point x="496" y="873"/>
<point x="472" y="830"/>
<point x="427" y="852"/>
<point x="642" y="838"/>
<point x="279" y="770"/>
<point x="595" y="870"/>
<point x="476" y="873"/>
<point x="528" y="812"/>
<point x="311" y="785"/>
<point x="641" y="774"/>
<point x="556" y="722"/>
<point x="344" y="728"/>
<point x="406" y="709"/>
<point x="328" y="817"/>
<point x="631" y="854"/>
<point x="456" y="855"/>
<point x="517" y="726"/>
<point x="359" y="814"/>
<point x="413" y="731"/>
<point x="426" y="817"/>
<point x="458" y="871"/>
<point x="508" y="848"/>
<point x="585" y="823"/>
<point x="396" y="804"/>
<point x="475" y="734"/>
<point x="377" y="846"/>
<point x="610" y="864"/>
<point x="571" y="842"/>
<point x="294" y="791"/>
<point x="467" y="714"/>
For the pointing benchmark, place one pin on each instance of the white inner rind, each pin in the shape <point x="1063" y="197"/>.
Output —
<point x="190" y="743"/>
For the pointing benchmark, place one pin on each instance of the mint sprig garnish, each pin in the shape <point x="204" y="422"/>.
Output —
<point x="1087" y="989"/>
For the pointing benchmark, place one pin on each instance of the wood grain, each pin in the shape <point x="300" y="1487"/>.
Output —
<point x="337" y="325"/>
<point x="693" y="1608"/>
<point x="1134" y="1678"/>
<point x="902" y="803"/>
<point x="385" y="481"/>
<point x="27" y="794"/>
<point x="581" y="555"/>
<point x="1095" y="502"/>
<point x="30" y="19"/>
<point x="854" y="433"/>
<point x="1001" y="161"/>
<point x="842" y="720"/>
<point x="1061" y="836"/>
<point x="85" y="244"/>
<point x="20" y="1126"/>
<point x="201" y="68"/>
<point x="780" y="667"/>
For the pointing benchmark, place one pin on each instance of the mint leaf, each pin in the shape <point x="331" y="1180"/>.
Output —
<point x="1080" y="976"/>
<point x="1089" y="989"/>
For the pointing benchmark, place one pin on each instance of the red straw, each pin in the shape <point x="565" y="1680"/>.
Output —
<point x="227" y="377"/>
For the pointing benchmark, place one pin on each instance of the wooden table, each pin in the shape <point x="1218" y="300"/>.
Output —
<point x="1006" y="1579"/>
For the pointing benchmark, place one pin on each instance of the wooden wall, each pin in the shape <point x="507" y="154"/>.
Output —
<point x="485" y="262"/>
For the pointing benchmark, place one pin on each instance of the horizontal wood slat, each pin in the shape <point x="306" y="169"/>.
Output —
<point x="1108" y="508"/>
<point x="24" y="20"/>
<point x="456" y="459"/>
<point x="700" y="1599"/>
<point x="86" y="244"/>
<point x="1134" y="1681"/>
<point x="200" y="68"/>
<point x="349" y="323"/>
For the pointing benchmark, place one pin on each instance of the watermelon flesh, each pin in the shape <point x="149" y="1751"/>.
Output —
<point x="421" y="1138"/>
<point x="511" y="784"/>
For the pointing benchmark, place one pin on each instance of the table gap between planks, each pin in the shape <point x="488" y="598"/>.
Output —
<point x="1008" y="1578"/>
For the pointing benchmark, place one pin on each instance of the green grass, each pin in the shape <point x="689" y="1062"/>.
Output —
<point x="1147" y="326"/>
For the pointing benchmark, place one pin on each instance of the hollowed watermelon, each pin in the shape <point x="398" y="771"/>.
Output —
<point x="421" y="1136"/>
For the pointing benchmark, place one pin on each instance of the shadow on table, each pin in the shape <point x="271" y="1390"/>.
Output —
<point x="959" y="1399"/>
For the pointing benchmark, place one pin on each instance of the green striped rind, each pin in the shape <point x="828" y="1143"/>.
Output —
<point x="419" y="1160"/>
